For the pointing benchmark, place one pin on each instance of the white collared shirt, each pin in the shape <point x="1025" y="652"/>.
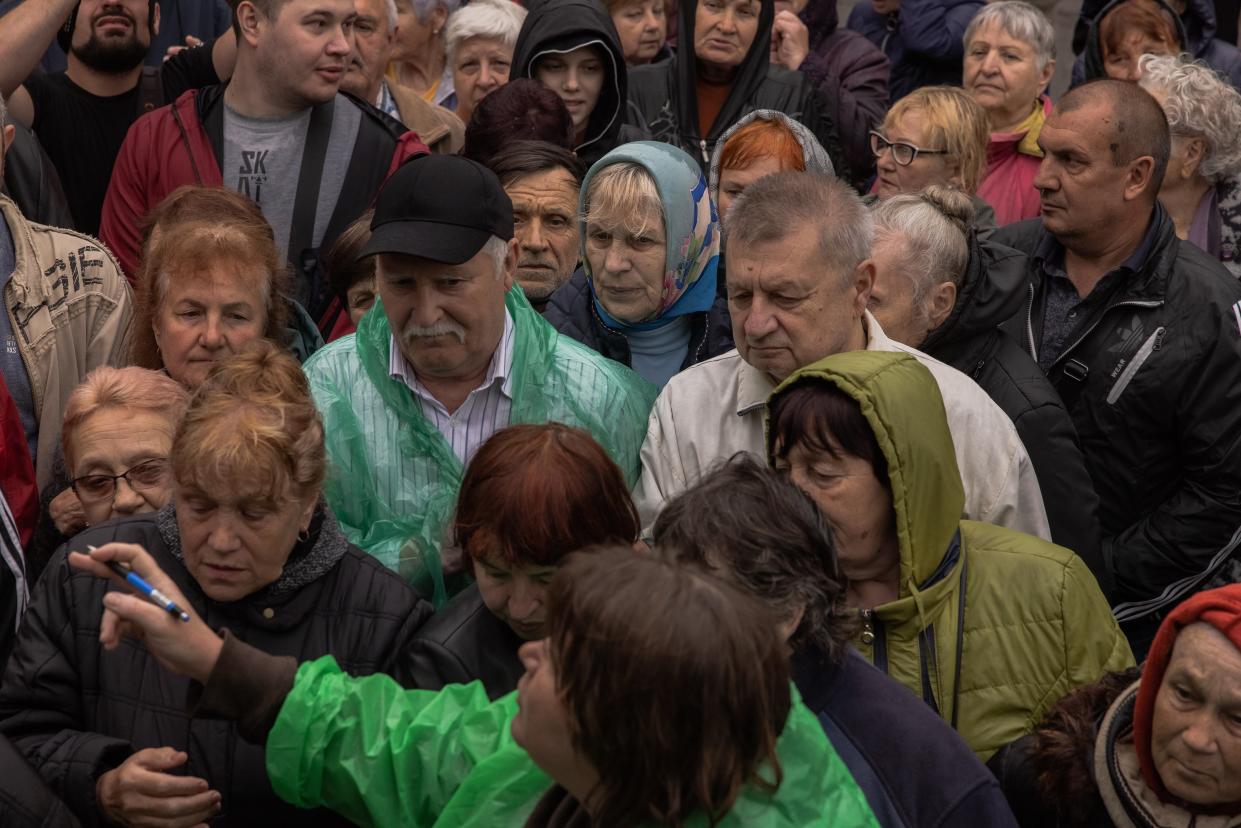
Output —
<point x="485" y="411"/>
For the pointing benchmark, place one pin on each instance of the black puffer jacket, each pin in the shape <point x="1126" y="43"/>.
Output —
<point x="465" y="642"/>
<point x="76" y="711"/>
<point x="571" y="311"/>
<point x="25" y="799"/>
<point x="561" y="26"/>
<point x="970" y="341"/>
<point x="1152" y="381"/>
<point x="663" y="97"/>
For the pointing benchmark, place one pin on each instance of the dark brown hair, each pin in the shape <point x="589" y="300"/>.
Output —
<point x="521" y="109"/>
<point x="677" y="686"/>
<point x="534" y="493"/>
<point x="344" y="269"/>
<point x="185" y="234"/>
<point x="817" y="414"/>
<point x="522" y="158"/>
<point x="769" y="538"/>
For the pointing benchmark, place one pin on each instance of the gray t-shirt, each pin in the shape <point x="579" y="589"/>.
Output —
<point x="263" y="161"/>
<point x="12" y="368"/>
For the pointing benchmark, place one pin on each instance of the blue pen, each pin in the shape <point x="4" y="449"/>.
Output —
<point x="152" y="594"/>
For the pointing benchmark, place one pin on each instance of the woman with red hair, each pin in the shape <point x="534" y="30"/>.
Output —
<point x="531" y="495"/>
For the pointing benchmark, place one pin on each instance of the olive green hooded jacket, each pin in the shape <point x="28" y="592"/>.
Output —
<point x="992" y="626"/>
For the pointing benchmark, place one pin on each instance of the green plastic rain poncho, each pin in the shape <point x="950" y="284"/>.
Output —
<point x="381" y="755"/>
<point x="393" y="478"/>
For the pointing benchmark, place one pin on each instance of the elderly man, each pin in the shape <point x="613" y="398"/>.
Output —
<point x="1141" y="335"/>
<point x="375" y="34"/>
<point x="543" y="181"/>
<point x="278" y="133"/>
<point x="799" y="278"/>
<point x="450" y="354"/>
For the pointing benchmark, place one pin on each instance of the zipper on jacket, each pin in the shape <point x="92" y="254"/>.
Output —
<point x="702" y="144"/>
<point x="928" y="660"/>
<point x="1030" y="324"/>
<point x="872" y="634"/>
<point x="1151" y="345"/>
<point x="1099" y="319"/>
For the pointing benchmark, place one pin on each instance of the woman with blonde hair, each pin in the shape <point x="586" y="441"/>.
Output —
<point x="252" y="548"/>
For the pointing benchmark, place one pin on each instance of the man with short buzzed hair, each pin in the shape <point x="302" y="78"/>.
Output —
<point x="1141" y="335"/>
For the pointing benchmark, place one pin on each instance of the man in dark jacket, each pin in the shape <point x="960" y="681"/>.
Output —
<point x="1140" y="334"/>
<point x="716" y="76"/>
<point x="279" y="133"/>
<point x="752" y="527"/>
<point x="850" y="72"/>
<point x="1196" y="26"/>
<point x="924" y="39"/>
<point x="551" y="34"/>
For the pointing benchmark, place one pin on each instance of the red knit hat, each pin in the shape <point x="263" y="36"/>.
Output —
<point x="1221" y="608"/>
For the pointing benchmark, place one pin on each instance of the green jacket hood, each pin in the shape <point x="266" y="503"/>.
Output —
<point x="901" y="401"/>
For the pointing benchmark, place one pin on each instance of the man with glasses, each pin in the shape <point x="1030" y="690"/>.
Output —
<point x="799" y="277"/>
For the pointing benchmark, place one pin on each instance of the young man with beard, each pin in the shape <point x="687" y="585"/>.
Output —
<point x="279" y="133"/>
<point x="82" y="114"/>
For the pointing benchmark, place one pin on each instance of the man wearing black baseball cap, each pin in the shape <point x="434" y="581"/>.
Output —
<point x="451" y="353"/>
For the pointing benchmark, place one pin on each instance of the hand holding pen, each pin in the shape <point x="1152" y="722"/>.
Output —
<point x="159" y="615"/>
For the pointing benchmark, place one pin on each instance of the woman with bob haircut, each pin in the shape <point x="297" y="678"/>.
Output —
<point x="660" y="696"/>
<point x="249" y="546"/>
<point x="646" y="293"/>
<point x="116" y="438"/>
<point x="479" y="41"/>
<point x="210" y="281"/>
<point x="1155" y="748"/>
<point x="531" y="495"/>
<point x="865" y="435"/>
<point x="1201" y="189"/>
<point x="934" y="135"/>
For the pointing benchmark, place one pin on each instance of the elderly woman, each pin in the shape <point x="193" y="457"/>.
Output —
<point x="211" y="281"/>
<point x="864" y="434"/>
<point x="762" y="143"/>
<point x="1122" y="32"/>
<point x="250" y="547"/>
<point x="420" y="61"/>
<point x="642" y="26"/>
<point x="531" y="495"/>
<point x="480" y="39"/>
<point x="624" y="633"/>
<point x="749" y="525"/>
<point x="646" y="294"/>
<point x="721" y="71"/>
<point x="1155" y="749"/>
<point x="936" y="135"/>
<point x="939" y="289"/>
<point x="571" y="47"/>
<point x="1010" y="56"/>
<point x="1201" y="189"/>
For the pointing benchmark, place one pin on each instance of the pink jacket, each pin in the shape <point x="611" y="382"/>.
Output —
<point x="1013" y="160"/>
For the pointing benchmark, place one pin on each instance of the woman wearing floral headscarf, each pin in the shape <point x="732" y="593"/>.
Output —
<point x="645" y="295"/>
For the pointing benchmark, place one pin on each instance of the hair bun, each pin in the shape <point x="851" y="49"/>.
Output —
<point x="260" y="370"/>
<point x="952" y="204"/>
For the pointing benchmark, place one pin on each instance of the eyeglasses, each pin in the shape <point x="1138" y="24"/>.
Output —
<point x="903" y="153"/>
<point x="92" y="488"/>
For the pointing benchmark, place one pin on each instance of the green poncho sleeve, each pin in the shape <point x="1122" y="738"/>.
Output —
<point x="382" y="755"/>
<point x="394" y="479"/>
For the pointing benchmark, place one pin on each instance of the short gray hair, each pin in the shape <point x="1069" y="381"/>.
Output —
<point x="390" y="8"/>
<point x="772" y="207"/>
<point x="1200" y="103"/>
<point x="423" y="8"/>
<point x="497" y="249"/>
<point x="933" y="226"/>
<point x="4" y="111"/>
<point x="1020" y="21"/>
<point x="496" y="19"/>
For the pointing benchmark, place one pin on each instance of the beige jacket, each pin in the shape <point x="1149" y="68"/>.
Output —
<point x="714" y="409"/>
<point x="71" y="311"/>
<point x="440" y="129"/>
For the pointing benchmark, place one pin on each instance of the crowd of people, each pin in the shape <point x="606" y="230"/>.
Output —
<point x="568" y="413"/>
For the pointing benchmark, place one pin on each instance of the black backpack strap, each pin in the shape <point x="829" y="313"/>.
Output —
<point x="150" y="90"/>
<point x="305" y="205"/>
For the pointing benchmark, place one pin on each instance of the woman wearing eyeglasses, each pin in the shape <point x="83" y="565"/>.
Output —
<point x="244" y="534"/>
<point x="933" y="135"/>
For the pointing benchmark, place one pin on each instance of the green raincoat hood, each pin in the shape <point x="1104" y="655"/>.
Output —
<point x="901" y="401"/>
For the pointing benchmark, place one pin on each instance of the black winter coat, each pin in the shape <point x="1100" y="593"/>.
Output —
<point x="76" y="711"/>
<point x="465" y="642"/>
<point x="663" y="97"/>
<point x="1152" y="380"/>
<point x="571" y="311"/>
<point x="25" y="799"/>
<point x="970" y="340"/>
<point x="562" y="25"/>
